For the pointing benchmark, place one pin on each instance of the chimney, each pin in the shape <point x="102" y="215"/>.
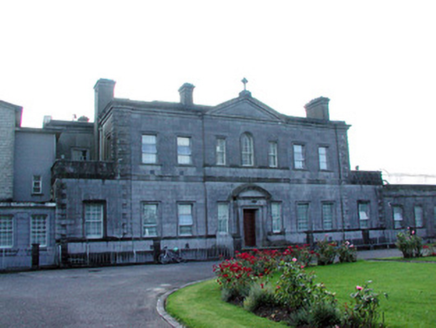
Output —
<point x="318" y="108"/>
<point x="104" y="93"/>
<point x="186" y="91"/>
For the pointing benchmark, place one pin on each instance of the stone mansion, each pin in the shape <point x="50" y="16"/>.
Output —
<point x="145" y="175"/>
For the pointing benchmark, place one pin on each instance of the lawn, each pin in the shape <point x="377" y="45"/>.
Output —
<point x="411" y="288"/>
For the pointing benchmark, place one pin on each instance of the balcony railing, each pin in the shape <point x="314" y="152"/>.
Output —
<point x="83" y="170"/>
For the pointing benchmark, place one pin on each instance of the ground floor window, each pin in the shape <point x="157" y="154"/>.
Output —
<point x="363" y="208"/>
<point x="276" y="214"/>
<point x="38" y="230"/>
<point x="327" y="216"/>
<point x="94" y="213"/>
<point x="6" y="231"/>
<point x="185" y="219"/>
<point x="303" y="217"/>
<point x="419" y="216"/>
<point x="398" y="216"/>
<point x="223" y="217"/>
<point x="149" y="219"/>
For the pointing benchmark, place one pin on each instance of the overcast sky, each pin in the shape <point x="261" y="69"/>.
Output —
<point x="375" y="60"/>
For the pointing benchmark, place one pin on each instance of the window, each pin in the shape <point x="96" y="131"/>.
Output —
<point x="398" y="216"/>
<point x="149" y="219"/>
<point x="221" y="151"/>
<point x="299" y="161"/>
<point x="149" y="149"/>
<point x="276" y="211"/>
<point x="38" y="230"/>
<point x="6" y="231"/>
<point x="322" y="155"/>
<point x="364" y="215"/>
<point x="37" y="184"/>
<point x="94" y="220"/>
<point x="80" y="155"/>
<point x="185" y="219"/>
<point x="247" y="152"/>
<point x="419" y="216"/>
<point x="434" y="216"/>
<point x="272" y="155"/>
<point x="327" y="216"/>
<point x="223" y="217"/>
<point x="302" y="217"/>
<point x="184" y="150"/>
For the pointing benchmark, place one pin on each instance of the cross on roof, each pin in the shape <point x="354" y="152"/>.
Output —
<point x="244" y="80"/>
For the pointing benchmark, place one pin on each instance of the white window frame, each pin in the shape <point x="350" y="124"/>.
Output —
<point x="323" y="158"/>
<point x="299" y="157"/>
<point x="39" y="230"/>
<point x="276" y="217"/>
<point x="223" y="217"/>
<point x="93" y="218"/>
<point x="185" y="219"/>
<point x="303" y="221"/>
<point x="149" y="149"/>
<point x="37" y="184"/>
<point x="6" y="231"/>
<point x="418" y="212"/>
<point x="364" y="212"/>
<point x="247" y="150"/>
<point x="398" y="216"/>
<point x="221" y="151"/>
<point x="273" y="154"/>
<point x="184" y="150"/>
<point x="327" y="215"/>
<point x="150" y="226"/>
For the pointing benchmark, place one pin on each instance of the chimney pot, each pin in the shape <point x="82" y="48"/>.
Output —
<point x="318" y="108"/>
<point x="186" y="94"/>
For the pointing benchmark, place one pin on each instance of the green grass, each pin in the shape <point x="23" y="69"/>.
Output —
<point x="413" y="259"/>
<point x="411" y="288"/>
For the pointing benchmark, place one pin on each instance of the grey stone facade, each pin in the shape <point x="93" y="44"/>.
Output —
<point x="201" y="178"/>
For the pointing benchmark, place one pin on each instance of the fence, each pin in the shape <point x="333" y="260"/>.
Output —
<point x="21" y="259"/>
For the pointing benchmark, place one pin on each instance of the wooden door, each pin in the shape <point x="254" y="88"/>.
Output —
<point x="250" y="228"/>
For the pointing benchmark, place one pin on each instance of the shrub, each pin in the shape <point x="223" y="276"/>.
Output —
<point x="409" y="244"/>
<point x="234" y="278"/>
<point x="363" y="310"/>
<point x="326" y="251"/>
<point x="428" y="250"/>
<point x="347" y="252"/>
<point x="260" y="294"/>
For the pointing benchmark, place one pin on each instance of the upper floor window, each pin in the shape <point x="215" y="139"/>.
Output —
<point x="299" y="160"/>
<point x="149" y="219"/>
<point x="221" y="151"/>
<point x="327" y="216"/>
<point x="398" y="216"/>
<point x="419" y="216"/>
<point x="272" y="154"/>
<point x="37" y="184"/>
<point x="322" y="156"/>
<point x="223" y="217"/>
<point x="184" y="150"/>
<point x="363" y="208"/>
<point x="6" y="231"/>
<point x="38" y="230"/>
<point x="186" y="221"/>
<point x="149" y="149"/>
<point x="80" y="154"/>
<point x="276" y="214"/>
<point x="302" y="217"/>
<point x="247" y="151"/>
<point x="94" y="213"/>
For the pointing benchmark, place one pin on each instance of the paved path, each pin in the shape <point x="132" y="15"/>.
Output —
<point x="98" y="297"/>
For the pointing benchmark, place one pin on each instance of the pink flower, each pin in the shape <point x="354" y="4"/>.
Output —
<point x="413" y="232"/>
<point x="302" y="266"/>
<point x="294" y="260"/>
<point x="359" y="287"/>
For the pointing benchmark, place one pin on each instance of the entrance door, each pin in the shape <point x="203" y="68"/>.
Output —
<point x="250" y="228"/>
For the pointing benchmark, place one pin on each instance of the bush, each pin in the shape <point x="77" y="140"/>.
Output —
<point x="347" y="252"/>
<point x="409" y="244"/>
<point x="320" y="314"/>
<point x="363" y="310"/>
<point x="326" y="252"/>
<point x="260" y="294"/>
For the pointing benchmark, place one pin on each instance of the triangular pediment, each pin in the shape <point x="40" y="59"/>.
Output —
<point x="246" y="107"/>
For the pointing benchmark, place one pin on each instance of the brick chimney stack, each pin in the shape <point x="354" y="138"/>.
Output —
<point x="186" y="94"/>
<point x="318" y="108"/>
